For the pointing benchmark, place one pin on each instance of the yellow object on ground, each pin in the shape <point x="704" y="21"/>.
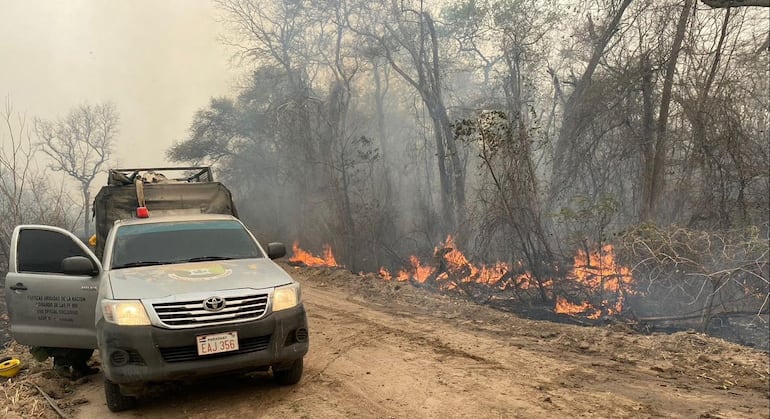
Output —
<point x="10" y="368"/>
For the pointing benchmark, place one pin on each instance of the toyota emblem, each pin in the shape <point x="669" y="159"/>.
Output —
<point x="214" y="303"/>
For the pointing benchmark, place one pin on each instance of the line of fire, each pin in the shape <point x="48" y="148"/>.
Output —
<point x="592" y="287"/>
<point x="594" y="276"/>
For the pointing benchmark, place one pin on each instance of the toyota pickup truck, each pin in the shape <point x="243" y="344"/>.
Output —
<point x="174" y="297"/>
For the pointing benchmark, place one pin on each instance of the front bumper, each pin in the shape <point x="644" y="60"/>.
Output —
<point x="141" y="354"/>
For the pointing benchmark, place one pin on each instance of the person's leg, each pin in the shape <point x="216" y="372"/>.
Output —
<point x="71" y="363"/>
<point x="61" y="363"/>
<point x="79" y="361"/>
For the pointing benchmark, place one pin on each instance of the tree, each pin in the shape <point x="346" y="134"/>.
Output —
<point x="578" y="109"/>
<point x="723" y="99"/>
<point x="654" y="184"/>
<point x="26" y="194"/>
<point x="508" y="199"/>
<point x="408" y="39"/>
<point x="504" y="41"/>
<point x="80" y="146"/>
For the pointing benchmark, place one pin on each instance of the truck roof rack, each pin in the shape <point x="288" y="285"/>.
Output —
<point x="188" y="174"/>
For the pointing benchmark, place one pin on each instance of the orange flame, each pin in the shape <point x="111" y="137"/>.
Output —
<point x="598" y="270"/>
<point x="307" y="258"/>
<point x="457" y="269"/>
<point x="565" y="307"/>
<point x="402" y="276"/>
<point x="600" y="274"/>
<point x="421" y="272"/>
<point x="458" y="265"/>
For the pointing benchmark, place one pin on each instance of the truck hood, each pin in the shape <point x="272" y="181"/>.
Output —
<point x="150" y="282"/>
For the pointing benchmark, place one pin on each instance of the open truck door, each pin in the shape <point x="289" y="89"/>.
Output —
<point x="51" y="288"/>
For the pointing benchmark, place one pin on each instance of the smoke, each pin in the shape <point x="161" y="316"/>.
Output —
<point x="157" y="61"/>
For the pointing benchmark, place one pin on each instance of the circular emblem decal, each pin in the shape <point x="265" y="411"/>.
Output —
<point x="199" y="272"/>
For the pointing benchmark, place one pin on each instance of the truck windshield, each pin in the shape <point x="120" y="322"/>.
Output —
<point x="179" y="242"/>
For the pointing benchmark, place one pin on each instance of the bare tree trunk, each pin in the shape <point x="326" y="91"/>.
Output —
<point x="457" y="172"/>
<point x="86" y="212"/>
<point x="655" y="190"/>
<point x="381" y="86"/>
<point x="444" y="171"/>
<point x="576" y="114"/>
<point x="648" y="133"/>
<point x="427" y="81"/>
<point x="702" y="157"/>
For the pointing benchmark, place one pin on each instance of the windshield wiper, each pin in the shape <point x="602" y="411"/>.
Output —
<point x="139" y="263"/>
<point x="203" y="258"/>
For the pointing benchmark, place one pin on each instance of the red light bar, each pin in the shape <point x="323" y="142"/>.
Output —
<point x="142" y="212"/>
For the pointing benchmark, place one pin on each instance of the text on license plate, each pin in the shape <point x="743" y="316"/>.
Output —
<point x="217" y="343"/>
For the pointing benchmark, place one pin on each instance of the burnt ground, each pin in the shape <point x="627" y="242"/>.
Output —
<point x="383" y="349"/>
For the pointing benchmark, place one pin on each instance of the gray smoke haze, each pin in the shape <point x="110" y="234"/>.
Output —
<point x="157" y="61"/>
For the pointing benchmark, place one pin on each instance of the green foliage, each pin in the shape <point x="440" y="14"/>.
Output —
<point x="587" y="219"/>
<point x="211" y="133"/>
<point x="584" y="209"/>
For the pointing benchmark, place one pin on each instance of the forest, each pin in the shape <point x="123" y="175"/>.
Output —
<point x="525" y="132"/>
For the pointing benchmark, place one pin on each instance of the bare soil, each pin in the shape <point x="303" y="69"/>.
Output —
<point x="389" y="350"/>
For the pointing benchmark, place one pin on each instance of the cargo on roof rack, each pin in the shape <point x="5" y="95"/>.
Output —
<point x="189" y="174"/>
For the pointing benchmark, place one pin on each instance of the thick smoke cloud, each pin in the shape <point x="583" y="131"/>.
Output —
<point x="157" y="61"/>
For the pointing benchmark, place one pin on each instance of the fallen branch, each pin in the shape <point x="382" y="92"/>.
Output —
<point x="51" y="402"/>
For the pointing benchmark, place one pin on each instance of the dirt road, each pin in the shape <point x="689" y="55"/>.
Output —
<point x="387" y="350"/>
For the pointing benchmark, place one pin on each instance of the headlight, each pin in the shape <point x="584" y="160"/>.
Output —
<point x="286" y="297"/>
<point x="125" y="312"/>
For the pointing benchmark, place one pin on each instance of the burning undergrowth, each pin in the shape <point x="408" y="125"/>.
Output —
<point x="594" y="288"/>
<point x="308" y="259"/>
<point x="595" y="284"/>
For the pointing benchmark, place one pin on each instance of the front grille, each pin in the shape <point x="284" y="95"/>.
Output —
<point x="181" y="314"/>
<point x="190" y="353"/>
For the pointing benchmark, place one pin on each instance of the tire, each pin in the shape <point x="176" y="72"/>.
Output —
<point x="290" y="376"/>
<point x="116" y="401"/>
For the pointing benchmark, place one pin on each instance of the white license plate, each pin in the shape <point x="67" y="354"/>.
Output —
<point x="217" y="343"/>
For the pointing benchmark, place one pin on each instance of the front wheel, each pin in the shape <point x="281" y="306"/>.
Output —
<point x="290" y="376"/>
<point x="116" y="401"/>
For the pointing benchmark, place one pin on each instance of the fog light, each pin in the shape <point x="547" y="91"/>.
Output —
<point x="119" y="357"/>
<point x="296" y="336"/>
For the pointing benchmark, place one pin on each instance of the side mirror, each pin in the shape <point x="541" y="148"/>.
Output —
<point x="276" y="250"/>
<point x="78" y="265"/>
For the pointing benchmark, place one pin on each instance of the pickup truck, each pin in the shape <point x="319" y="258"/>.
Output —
<point x="174" y="297"/>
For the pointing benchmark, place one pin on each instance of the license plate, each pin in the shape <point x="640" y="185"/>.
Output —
<point x="217" y="343"/>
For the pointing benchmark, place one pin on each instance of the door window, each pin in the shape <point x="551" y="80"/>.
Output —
<point x="43" y="251"/>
